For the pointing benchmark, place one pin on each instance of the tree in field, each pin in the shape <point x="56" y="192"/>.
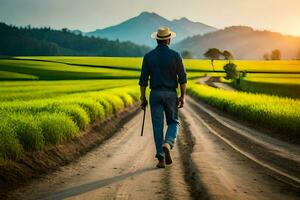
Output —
<point x="186" y="54"/>
<point x="227" y="56"/>
<point x="266" y="56"/>
<point x="213" y="54"/>
<point x="276" y="54"/>
<point x="231" y="71"/>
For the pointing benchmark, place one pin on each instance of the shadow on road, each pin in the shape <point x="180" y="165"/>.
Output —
<point x="77" y="190"/>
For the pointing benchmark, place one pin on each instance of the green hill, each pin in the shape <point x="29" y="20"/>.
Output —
<point x="28" y="41"/>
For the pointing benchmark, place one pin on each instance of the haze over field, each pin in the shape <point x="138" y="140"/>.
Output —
<point x="244" y="42"/>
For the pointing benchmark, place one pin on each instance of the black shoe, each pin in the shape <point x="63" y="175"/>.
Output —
<point x="167" y="150"/>
<point x="161" y="164"/>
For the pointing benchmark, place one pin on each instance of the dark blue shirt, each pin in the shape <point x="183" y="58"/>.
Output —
<point x="164" y="67"/>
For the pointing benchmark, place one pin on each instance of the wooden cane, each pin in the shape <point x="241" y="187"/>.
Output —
<point x="142" y="132"/>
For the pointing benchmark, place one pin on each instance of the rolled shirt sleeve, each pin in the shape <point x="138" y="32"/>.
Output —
<point x="180" y="70"/>
<point x="144" y="77"/>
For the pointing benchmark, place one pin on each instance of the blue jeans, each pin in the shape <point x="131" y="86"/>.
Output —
<point x="164" y="102"/>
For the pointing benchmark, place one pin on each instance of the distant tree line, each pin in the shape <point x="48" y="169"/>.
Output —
<point x="186" y="54"/>
<point x="274" y="55"/>
<point x="30" y="41"/>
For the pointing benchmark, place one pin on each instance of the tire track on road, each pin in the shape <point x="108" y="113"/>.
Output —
<point x="218" y="165"/>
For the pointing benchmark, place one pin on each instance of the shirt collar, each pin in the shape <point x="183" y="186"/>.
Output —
<point x="162" y="46"/>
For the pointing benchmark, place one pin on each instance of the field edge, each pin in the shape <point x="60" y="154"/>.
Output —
<point x="34" y="164"/>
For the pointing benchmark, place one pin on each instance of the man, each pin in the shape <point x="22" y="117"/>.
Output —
<point x="165" y="69"/>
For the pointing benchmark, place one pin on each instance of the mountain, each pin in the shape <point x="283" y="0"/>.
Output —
<point x="193" y="28"/>
<point x="139" y="28"/>
<point x="244" y="42"/>
<point x="45" y="41"/>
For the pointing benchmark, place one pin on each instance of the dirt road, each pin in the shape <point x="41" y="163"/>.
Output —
<point x="236" y="162"/>
<point x="215" y="158"/>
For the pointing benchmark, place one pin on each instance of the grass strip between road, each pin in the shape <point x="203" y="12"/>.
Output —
<point x="272" y="112"/>
<point x="284" y="87"/>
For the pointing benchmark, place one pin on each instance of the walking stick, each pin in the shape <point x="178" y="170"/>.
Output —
<point x="142" y="132"/>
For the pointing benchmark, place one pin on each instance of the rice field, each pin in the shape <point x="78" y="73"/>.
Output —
<point x="5" y="75"/>
<point x="125" y="62"/>
<point x="30" y="125"/>
<point x="44" y="70"/>
<point x="72" y="68"/>
<point x="48" y="100"/>
<point x="191" y="64"/>
<point x="277" y="80"/>
<point x="279" y="85"/>
<point x="45" y="103"/>
<point x="29" y="90"/>
<point x="276" y="113"/>
<point x="244" y="65"/>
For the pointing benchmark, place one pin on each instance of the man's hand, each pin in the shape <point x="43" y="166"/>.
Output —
<point x="180" y="101"/>
<point x="144" y="102"/>
<point x="181" y="98"/>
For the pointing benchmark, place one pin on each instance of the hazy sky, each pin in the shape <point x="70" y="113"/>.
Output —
<point x="276" y="15"/>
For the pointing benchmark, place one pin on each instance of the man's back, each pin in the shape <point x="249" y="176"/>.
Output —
<point x="165" y="68"/>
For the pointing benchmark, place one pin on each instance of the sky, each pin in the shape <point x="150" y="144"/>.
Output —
<point x="87" y="15"/>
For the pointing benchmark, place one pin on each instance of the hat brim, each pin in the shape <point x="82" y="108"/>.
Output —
<point x="154" y="36"/>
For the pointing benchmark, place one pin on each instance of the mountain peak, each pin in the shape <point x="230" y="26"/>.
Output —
<point x="148" y="14"/>
<point x="182" y="19"/>
<point x="138" y="28"/>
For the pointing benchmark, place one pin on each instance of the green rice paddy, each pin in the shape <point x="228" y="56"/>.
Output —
<point x="49" y="100"/>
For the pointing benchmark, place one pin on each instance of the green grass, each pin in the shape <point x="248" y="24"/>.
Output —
<point x="284" y="87"/>
<point x="279" y="114"/>
<point x="278" y="80"/>
<point x="57" y="127"/>
<point x="5" y="75"/>
<point x="253" y="66"/>
<point x="75" y="112"/>
<point x="68" y="67"/>
<point x="28" y="90"/>
<point x="125" y="62"/>
<point x="191" y="64"/>
<point x="60" y="71"/>
<point x="29" y="125"/>
<point x="10" y="147"/>
<point x="27" y="130"/>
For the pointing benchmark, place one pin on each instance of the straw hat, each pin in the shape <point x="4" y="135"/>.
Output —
<point x="163" y="33"/>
